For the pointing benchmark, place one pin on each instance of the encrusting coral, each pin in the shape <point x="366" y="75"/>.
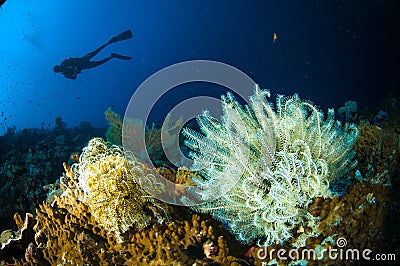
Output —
<point x="12" y="244"/>
<point x="68" y="234"/>
<point x="266" y="166"/>
<point x="358" y="216"/>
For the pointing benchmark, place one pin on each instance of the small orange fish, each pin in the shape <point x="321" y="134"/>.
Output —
<point x="275" y="38"/>
<point x="249" y="251"/>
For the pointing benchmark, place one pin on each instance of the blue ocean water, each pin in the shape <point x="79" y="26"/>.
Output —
<point x="327" y="51"/>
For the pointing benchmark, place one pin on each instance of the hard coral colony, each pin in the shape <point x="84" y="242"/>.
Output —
<point x="277" y="161"/>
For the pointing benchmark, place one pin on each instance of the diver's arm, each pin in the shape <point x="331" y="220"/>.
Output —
<point x="70" y="72"/>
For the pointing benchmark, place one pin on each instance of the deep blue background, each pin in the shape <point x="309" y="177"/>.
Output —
<point x="327" y="51"/>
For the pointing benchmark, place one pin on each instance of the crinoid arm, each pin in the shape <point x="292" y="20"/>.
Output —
<point x="109" y="179"/>
<point x="262" y="167"/>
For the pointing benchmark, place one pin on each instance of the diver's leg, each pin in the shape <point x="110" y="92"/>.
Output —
<point x="121" y="37"/>
<point x="95" y="52"/>
<point x="122" y="57"/>
<point x="91" y="64"/>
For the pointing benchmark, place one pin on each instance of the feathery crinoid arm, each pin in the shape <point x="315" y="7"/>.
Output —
<point x="261" y="168"/>
<point x="227" y="150"/>
<point x="327" y="139"/>
<point x="337" y="149"/>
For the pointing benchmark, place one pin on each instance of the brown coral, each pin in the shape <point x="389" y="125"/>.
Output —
<point x="114" y="131"/>
<point x="66" y="233"/>
<point x="13" y="244"/>
<point x="367" y="144"/>
<point x="182" y="176"/>
<point x="357" y="216"/>
<point x="134" y="132"/>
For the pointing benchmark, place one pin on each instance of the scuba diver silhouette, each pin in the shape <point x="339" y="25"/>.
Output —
<point x="72" y="66"/>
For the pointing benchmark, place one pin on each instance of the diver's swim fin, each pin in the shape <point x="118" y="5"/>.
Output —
<point x="121" y="37"/>
<point x="122" y="57"/>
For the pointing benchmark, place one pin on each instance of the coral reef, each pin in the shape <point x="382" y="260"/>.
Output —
<point x="366" y="146"/>
<point x="13" y="244"/>
<point x="67" y="233"/>
<point x="348" y="112"/>
<point x="357" y="216"/>
<point x="157" y="140"/>
<point x="32" y="158"/>
<point x="378" y="152"/>
<point x="182" y="176"/>
<point x="114" y="131"/>
<point x="381" y="119"/>
<point x="353" y="217"/>
<point x="71" y="230"/>
<point x="276" y="162"/>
